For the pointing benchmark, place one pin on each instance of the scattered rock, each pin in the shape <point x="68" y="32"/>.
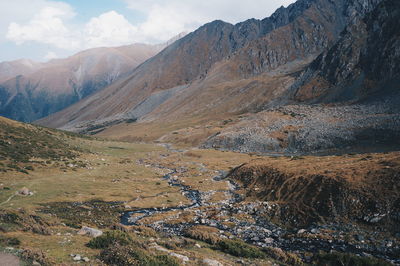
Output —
<point x="315" y="231"/>
<point x="359" y="237"/>
<point x="90" y="231"/>
<point x="301" y="231"/>
<point x="179" y="256"/>
<point x="77" y="257"/>
<point x="85" y="259"/>
<point x="24" y="191"/>
<point x="210" y="262"/>
<point x="269" y="240"/>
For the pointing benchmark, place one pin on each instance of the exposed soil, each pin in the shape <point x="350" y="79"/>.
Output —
<point x="8" y="260"/>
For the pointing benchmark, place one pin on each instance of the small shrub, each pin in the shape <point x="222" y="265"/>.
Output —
<point x="9" y="241"/>
<point x="36" y="255"/>
<point x="145" y="231"/>
<point x="29" y="167"/>
<point x="110" y="238"/>
<point x="192" y="154"/>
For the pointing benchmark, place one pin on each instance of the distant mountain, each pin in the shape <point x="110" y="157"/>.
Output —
<point x="208" y="70"/>
<point x="30" y="90"/>
<point x="12" y="69"/>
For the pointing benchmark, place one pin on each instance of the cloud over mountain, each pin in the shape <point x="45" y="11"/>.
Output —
<point x="62" y="26"/>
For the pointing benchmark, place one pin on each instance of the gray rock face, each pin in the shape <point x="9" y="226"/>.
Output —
<point x="364" y="62"/>
<point x="311" y="33"/>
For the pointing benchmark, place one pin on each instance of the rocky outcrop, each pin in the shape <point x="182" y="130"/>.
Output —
<point x="364" y="62"/>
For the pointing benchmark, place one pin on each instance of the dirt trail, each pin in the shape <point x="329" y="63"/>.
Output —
<point x="8" y="260"/>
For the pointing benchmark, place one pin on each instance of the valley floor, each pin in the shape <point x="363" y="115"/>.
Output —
<point x="183" y="203"/>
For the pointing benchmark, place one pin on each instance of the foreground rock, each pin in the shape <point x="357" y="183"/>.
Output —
<point x="90" y="231"/>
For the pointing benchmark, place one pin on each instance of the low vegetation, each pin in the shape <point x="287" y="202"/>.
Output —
<point x="110" y="238"/>
<point x="23" y="145"/>
<point x="235" y="247"/>
<point x="76" y="214"/>
<point x="283" y="256"/>
<point x="332" y="259"/>
<point x="239" y="248"/>
<point x="130" y="255"/>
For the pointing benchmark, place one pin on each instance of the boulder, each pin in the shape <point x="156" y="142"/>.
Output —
<point x="24" y="191"/>
<point x="90" y="231"/>
<point x="179" y="256"/>
<point x="210" y="262"/>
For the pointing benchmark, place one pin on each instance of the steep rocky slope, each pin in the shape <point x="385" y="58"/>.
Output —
<point x="217" y="65"/>
<point x="365" y="62"/>
<point x="30" y="90"/>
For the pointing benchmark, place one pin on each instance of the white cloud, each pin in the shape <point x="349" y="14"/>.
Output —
<point x="46" y="27"/>
<point x="50" y="55"/>
<point x="166" y="18"/>
<point x="51" y="23"/>
<point x="109" y="29"/>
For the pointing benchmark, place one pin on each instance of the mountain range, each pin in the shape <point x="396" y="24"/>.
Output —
<point x="239" y="87"/>
<point x="31" y="90"/>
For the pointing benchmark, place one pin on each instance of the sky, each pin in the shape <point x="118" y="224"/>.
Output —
<point x="45" y="29"/>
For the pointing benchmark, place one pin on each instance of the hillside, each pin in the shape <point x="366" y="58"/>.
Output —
<point x="23" y="147"/>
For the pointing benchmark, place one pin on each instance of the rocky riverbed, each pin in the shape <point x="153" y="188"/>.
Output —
<point x="236" y="217"/>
